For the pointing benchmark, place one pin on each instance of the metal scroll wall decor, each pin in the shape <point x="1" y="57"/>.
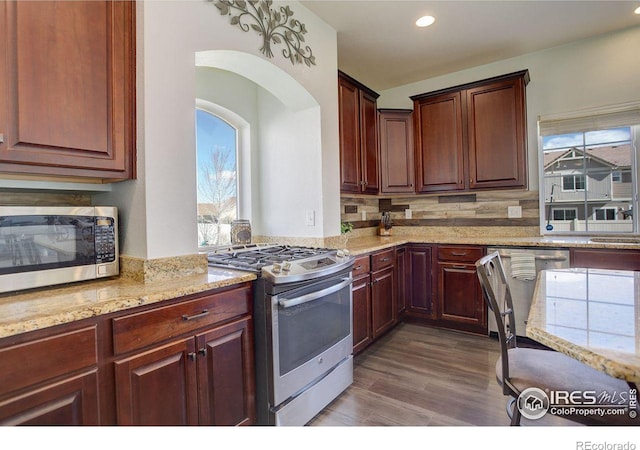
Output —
<point x="275" y="25"/>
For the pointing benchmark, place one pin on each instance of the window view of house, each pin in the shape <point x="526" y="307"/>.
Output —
<point x="217" y="179"/>
<point x="588" y="181"/>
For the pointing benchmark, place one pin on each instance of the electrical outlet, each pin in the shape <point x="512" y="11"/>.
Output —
<point x="408" y="214"/>
<point x="363" y="214"/>
<point x="311" y="218"/>
<point x="514" y="212"/>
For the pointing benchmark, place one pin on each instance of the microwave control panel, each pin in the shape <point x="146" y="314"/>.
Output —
<point x="105" y="240"/>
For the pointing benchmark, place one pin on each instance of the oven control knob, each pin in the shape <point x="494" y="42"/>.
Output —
<point x="320" y="360"/>
<point x="286" y="266"/>
<point x="340" y="253"/>
<point x="276" y="268"/>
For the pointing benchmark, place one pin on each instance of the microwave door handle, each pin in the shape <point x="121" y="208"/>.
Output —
<point x="288" y="303"/>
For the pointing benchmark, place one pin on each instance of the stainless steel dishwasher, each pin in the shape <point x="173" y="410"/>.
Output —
<point x="522" y="290"/>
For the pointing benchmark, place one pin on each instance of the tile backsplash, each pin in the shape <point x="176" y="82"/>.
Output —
<point x="481" y="209"/>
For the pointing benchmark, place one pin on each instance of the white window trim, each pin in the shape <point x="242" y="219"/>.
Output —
<point x="615" y="212"/>
<point x="574" y="183"/>
<point x="553" y="210"/>
<point x="630" y="110"/>
<point x="243" y="152"/>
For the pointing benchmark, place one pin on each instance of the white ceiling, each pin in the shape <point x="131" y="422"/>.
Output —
<point x="379" y="45"/>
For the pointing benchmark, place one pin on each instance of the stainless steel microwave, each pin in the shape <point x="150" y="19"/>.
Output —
<point x="43" y="246"/>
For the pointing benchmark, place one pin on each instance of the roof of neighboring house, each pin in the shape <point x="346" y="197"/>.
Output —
<point x="613" y="155"/>
<point x="208" y="209"/>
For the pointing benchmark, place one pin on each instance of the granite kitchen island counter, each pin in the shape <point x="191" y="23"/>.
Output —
<point x="592" y="315"/>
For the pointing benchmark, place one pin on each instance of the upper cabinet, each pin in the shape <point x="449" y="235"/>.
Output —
<point x="358" y="137"/>
<point x="396" y="151"/>
<point x="472" y="136"/>
<point x="67" y="89"/>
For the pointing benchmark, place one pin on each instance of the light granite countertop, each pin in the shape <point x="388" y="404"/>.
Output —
<point x="367" y="244"/>
<point x="35" y="309"/>
<point x="592" y="315"/>
<point x="41" y="308"/>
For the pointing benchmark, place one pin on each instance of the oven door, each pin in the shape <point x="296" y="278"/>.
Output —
<point x="311" y="334"/>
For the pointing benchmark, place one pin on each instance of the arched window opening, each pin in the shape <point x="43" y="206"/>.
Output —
<point x="217" y="177"/>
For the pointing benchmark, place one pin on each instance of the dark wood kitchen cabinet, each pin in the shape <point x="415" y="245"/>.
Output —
<point x="67" y="111"/>
<point x="401" y="277"/>
<point x="419" y="284"/>
<point x="459" y="295"/>
<point x="472" y="137"/>
<point x="396" y="151"/>
<point x="605" y="258"/>
<point x="374" y="291"/>
<point x="383" y="292"/>
<point x="361" y="292"/>
<point x="188" y="363"/>
<point x="358" y="128"/>
<point x="51" y="379"/>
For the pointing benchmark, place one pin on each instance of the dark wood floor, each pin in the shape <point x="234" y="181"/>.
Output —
<point x="419" y="376"/>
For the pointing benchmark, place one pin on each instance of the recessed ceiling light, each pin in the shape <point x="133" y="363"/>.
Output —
<point x="425" y="21"/>
<point x="637" y="11"/>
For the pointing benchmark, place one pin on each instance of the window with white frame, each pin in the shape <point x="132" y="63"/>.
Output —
<point x="217" y="178"/>
<point x="589" y="170"/>
<point x="564" y="214"/>
<point x="573" y="182"/>
<point x="605" y="213"/>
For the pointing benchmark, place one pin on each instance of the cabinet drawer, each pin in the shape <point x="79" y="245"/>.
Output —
<point x="149" y="327"/>
<point x="361" y="266"/>
<point x="43" y="359"/>
<point x="382" y="259"/>
<point x="467" y="254"/>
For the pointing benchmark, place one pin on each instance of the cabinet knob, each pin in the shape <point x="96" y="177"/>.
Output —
<point x="1" y="138"/>
<point x="202" y="351"/>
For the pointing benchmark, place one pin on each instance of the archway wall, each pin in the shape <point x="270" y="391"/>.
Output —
<point x="298" y="155"/>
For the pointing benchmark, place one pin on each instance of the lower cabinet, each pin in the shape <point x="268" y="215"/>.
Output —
<point x="418" y="279"/>
<point x="206" y="379"/>
<point x="50" y="380"/>
<point x="459" y="295"/>
<point x="186" y="361"/>
<point x="374" y="297"/>
<point x="614" y="259"/>
<point x="191" y="363"/>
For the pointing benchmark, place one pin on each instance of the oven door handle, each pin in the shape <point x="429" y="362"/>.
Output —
<point x="288" y="303"/>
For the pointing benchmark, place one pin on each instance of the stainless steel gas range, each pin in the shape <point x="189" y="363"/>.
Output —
<point x="302" y="321"/>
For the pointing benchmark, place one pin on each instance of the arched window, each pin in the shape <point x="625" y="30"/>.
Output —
<point x="217" y="156"/>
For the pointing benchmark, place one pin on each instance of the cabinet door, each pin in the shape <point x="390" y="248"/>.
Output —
<point x="419" y="293"/>
<point x="439" y="144"/>
<point x="383" y="300"/>
<point x="361" y="326"/>
<point x="68" y="109"/>
<point x="396" y="151"/>
<point x="369" y="143"/>
<point x="460" y="296"/>
<point x="497" y="135"/>
<point x="158" y="387"/>
<point x="605" y="259"/>
<point x="349" y="121"/>
<point x="72" y="401"/>
<point x="401" y="278"/>
<point x="226" y="380"/>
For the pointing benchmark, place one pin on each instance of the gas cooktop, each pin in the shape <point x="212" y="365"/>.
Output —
<point x="253" y="257"/>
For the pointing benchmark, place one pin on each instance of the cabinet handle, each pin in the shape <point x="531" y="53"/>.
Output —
<point x="459" y="267"/>
<point x="203" y="351"/>
<point x="191" y="356"/>
<point x="459" y="254"/>
<point x="385" y="259"/>
<point x="1" y="138"/>
<point x="196" y="316"/>
<point x="357" y="267"/>
<point x="471" y="181"/>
